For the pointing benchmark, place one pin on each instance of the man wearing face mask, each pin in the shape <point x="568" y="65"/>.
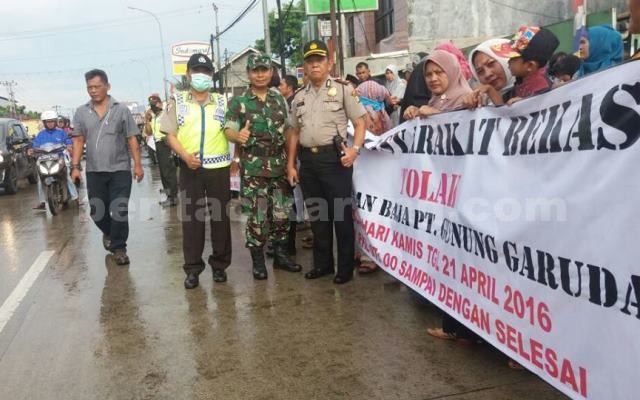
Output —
<point x="163" y="152"/>
<point x="193" y="124"/>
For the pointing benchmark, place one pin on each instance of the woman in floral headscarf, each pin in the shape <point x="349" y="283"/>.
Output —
<point x="372" y="96"/>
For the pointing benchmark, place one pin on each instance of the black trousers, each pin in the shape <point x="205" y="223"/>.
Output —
<point x="205" y="191"/>
<point x="109" y="201"/>
<point x="326" y="186"/>
<point x="451" y="325"/>
<point x="167" y="166"/>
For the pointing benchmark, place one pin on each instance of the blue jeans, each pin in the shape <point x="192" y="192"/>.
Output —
<point x="109" y="201"/>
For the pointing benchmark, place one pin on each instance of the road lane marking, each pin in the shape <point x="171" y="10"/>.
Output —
<point x="12" y="302"/>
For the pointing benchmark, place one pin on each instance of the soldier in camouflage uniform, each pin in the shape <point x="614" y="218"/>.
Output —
<point x="256" y="120"/>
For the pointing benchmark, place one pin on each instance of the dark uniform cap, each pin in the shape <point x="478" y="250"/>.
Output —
<point x="315" y="48"/>
<point x="154" y="98"/>
<point x="199" y="60"/>
<point x="258" y="60"/>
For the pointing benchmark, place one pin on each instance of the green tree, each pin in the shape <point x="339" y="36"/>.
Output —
<point x="293" y="17"/>
<point x="21" y="111"/>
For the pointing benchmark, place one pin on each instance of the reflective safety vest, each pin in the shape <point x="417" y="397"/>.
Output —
<point x="200" y="129"/>
<point x="155" y="127"/>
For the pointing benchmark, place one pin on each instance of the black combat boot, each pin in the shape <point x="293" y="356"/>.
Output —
<point x="281" y="259"/>
<point x="291" y="239"/>
<point x="259" y="268"/>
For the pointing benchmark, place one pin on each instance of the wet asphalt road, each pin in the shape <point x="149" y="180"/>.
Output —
<point x="88" y="329"/>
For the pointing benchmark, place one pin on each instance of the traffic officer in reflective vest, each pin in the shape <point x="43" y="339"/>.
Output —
<point x="163" y="153"/>
<point x="257" y="120"/>
<point x="319" y="116"/>
<point x="193" y="124"/>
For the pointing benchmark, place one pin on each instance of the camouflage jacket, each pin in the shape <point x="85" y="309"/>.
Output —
<point x="264" y="154"/>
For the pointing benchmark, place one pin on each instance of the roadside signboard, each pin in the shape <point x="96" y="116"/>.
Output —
<point x="318" y="7"/>
<point x="300" y="75"/>
<point x="180" y="53"/>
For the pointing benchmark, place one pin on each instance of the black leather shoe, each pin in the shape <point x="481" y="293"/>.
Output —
<point x="317" y="273"/>
<point x="191" y="281"/>
<point x="340" y="279"/>
<point x="121" y="257"/>
<point x="219" y="275"/>
<point x="281" y="260"/>
<point x="259" y="269"/>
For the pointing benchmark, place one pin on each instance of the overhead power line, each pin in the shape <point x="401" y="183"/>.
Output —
<point x="525" y="10"/>
<point x="53" y="31"/>
<point x="249" y="7"/>
<point x="136" y="49"/>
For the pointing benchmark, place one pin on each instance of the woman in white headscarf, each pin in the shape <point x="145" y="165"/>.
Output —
<point x="396" y="87"/>
<point x="492" y="71"/>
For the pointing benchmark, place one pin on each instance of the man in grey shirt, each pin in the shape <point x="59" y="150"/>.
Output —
<point x="107" y="126"/>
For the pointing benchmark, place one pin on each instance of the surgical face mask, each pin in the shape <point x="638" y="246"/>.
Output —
<point x="201" y="82"/>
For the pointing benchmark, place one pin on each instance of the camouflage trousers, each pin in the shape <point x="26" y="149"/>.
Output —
<point x="267" y="202"/>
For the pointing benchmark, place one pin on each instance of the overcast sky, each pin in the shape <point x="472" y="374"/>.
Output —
<point x="46" y="45"/>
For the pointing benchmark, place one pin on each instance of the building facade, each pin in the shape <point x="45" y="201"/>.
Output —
<point x="420" y="25"/>
<point x="234" y="72"/>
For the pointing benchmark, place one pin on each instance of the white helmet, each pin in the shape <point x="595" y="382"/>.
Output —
<point x="49" y="115"/>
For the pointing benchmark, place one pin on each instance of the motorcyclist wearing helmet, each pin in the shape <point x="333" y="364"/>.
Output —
<point x="52" y="134"/>
<point x="65" y="124"/>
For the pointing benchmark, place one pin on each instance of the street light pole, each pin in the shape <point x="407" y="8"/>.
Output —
<point x="164" y="62"/>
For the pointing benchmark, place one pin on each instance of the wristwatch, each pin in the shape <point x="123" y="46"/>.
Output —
<point x="76" y="166"/>
<point x="357" y="149"/>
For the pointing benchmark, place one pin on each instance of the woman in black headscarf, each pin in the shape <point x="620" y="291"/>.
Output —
<point x="417" y="94"/>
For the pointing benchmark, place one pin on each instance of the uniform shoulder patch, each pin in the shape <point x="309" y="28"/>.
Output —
<point x="342" y="81"/>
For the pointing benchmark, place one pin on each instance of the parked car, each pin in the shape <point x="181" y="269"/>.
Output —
<point x="15" y="162"/>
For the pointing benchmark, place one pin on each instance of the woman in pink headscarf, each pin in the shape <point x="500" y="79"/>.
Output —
<point x="445" y="80"/>
<point x="448" y="87"/>
<point x="462" y="60"/>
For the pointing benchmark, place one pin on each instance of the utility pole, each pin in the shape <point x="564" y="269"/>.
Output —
<point x="267" y="36"/>
<point x="218" y="55"/>
<point x="334" y="37"/>
<point x="216" y="82"/>
<point x="281" y="37"/>
<point x="226" y="71"/>
<point x="339" y="45"/>
<point x="12" y="98"/>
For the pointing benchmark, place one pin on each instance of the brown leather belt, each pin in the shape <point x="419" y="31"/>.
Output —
<point x="328" y="148"/>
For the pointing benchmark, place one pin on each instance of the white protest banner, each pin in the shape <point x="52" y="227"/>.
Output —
<point x="520" y="222"/>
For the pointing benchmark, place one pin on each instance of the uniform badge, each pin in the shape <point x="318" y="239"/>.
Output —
<point x="332" y="91"/>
